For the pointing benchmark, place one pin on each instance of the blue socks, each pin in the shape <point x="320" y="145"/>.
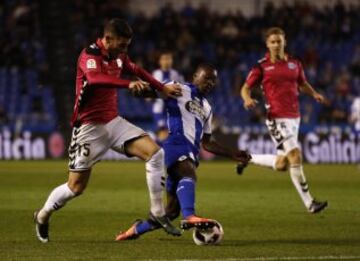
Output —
<point x="143" y="227"/>
<point x="186" y="195"/>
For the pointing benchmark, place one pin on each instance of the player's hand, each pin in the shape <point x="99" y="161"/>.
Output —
<point x="137" y="87"/>
<point x="319" y="98"/>
<point x="242" y="156"/>
<point x="250" y="103"/>
<point x="172" y="90"/>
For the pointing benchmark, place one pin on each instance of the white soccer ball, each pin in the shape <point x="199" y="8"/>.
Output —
<point x="210" y="236"/>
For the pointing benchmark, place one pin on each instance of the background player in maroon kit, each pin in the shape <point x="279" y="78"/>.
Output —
<point x="281" y="78"/>
<point x="97" y="126"/>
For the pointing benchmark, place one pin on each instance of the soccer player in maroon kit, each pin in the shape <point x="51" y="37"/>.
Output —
<point x="97" y="126"/>
<point x="281" y="77"/>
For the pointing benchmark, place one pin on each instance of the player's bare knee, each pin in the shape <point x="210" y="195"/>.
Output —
<point x="294" y="156"/>
<point x="281" y="166"/>
<point x="156" y="153"/>
<point x="76" y="187"/>
<point x="186" y="169"/>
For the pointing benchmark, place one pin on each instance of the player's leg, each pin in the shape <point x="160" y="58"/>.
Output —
<point x="293" y="154"/>
<point x="141" y="227"/>
<point x="277" y="161"/>
<point x="298" y="178"/>
<point x="60" y="195"/>
<point x="146" y="149"/>
<point x="185" y="172"/>
<point x="133" y="141"/>
<point x="57" y="199"/>
<point x="87" y="145"/>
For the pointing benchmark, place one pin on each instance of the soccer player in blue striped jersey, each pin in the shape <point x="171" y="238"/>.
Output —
<point x="163" y="74"/>
<point x="189" y="123"/>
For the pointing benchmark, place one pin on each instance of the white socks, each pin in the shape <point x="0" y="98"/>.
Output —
<point x="56" y="200"/>
<point x="155" y="177"/>
<point x="264" y="160"/>
<point x="296" y="174"/>
<point x="298" y="178"/>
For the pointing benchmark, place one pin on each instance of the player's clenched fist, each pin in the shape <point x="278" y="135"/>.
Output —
<point x="137" y="87"/>
<point x="319" y="98"/>
<point x="172" y="90"/>
<point x="250" y="103"/>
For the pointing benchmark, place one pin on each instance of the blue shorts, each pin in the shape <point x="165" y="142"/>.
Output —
<point x="175" y="152"/>
<point x="178" y="149"/>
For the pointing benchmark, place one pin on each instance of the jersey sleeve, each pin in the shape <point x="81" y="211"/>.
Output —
<point x="301" y="78"/>
<point x="140" y="72"/>
<point x="207" y="124"/>
<point x="254" y="77"/>
<point x="90" y="65"/>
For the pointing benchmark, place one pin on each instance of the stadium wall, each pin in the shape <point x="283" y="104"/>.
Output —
<point x="323" y="145"/>
<point x="247" y="7"/>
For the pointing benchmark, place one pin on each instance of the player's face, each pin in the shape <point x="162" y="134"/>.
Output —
<point x="166" y="61"/>
<point x="205" y="80"/>
<point x="276" y="44"/>
<point x="117" y="44"/>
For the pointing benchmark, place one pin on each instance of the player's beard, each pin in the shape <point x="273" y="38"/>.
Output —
<point x="114" y="52"/>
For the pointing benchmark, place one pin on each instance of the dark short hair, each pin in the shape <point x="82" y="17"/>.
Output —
<point x="118" y="27"/>
<point x="274" y="30"/>
<point x="206" y="67"/>
<point x="165" y="52"/>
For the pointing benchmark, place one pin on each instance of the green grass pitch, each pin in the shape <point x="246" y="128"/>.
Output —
<point x="262" y="215"/>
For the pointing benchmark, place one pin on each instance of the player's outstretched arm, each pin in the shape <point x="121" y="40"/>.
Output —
<point x="99" y="78"/>
<point x="90" y="65"/>
<point x="169" y="90"/>
<point x="309" y="90"/>
<point x="245" y="93"/>
<point x="212" y="146"/>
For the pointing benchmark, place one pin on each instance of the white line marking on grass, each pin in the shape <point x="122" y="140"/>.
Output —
<point x="293" y="258"/>
<point x="274" y="258"/>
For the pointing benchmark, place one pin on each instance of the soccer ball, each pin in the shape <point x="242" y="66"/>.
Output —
<point x="210" y="236"/>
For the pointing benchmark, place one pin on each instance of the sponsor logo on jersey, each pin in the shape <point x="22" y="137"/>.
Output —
<point x="291" y="65"/>
<point x="195" y="108"/>
<point x="119" y="62"/>
<point x="91" y="64"/>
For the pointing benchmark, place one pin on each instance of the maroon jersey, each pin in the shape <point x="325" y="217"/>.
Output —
<point x="280" y="83"/>
<point x="97" y="80"/>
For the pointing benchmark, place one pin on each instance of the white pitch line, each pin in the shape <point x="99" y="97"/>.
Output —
<point x="287" y="258"/>
<point x="274" y="258"/>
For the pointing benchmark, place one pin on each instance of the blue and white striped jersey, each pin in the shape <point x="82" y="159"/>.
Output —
<point x="189" y="117"/>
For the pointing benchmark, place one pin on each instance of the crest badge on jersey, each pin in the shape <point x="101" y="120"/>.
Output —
<point x="91" y="64"/>
<point x="291" y="65"/>
<point x="119" y="62"/>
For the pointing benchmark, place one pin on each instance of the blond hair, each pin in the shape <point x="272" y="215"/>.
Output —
<point x="274" y="30"/>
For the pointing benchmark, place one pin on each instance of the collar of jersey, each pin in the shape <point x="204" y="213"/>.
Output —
<point x="196" y="90"/>
<point x="267" y="57"/>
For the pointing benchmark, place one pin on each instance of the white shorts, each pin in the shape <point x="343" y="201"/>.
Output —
<point x="284" y="133"/>
<point x="89" y="142"/>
